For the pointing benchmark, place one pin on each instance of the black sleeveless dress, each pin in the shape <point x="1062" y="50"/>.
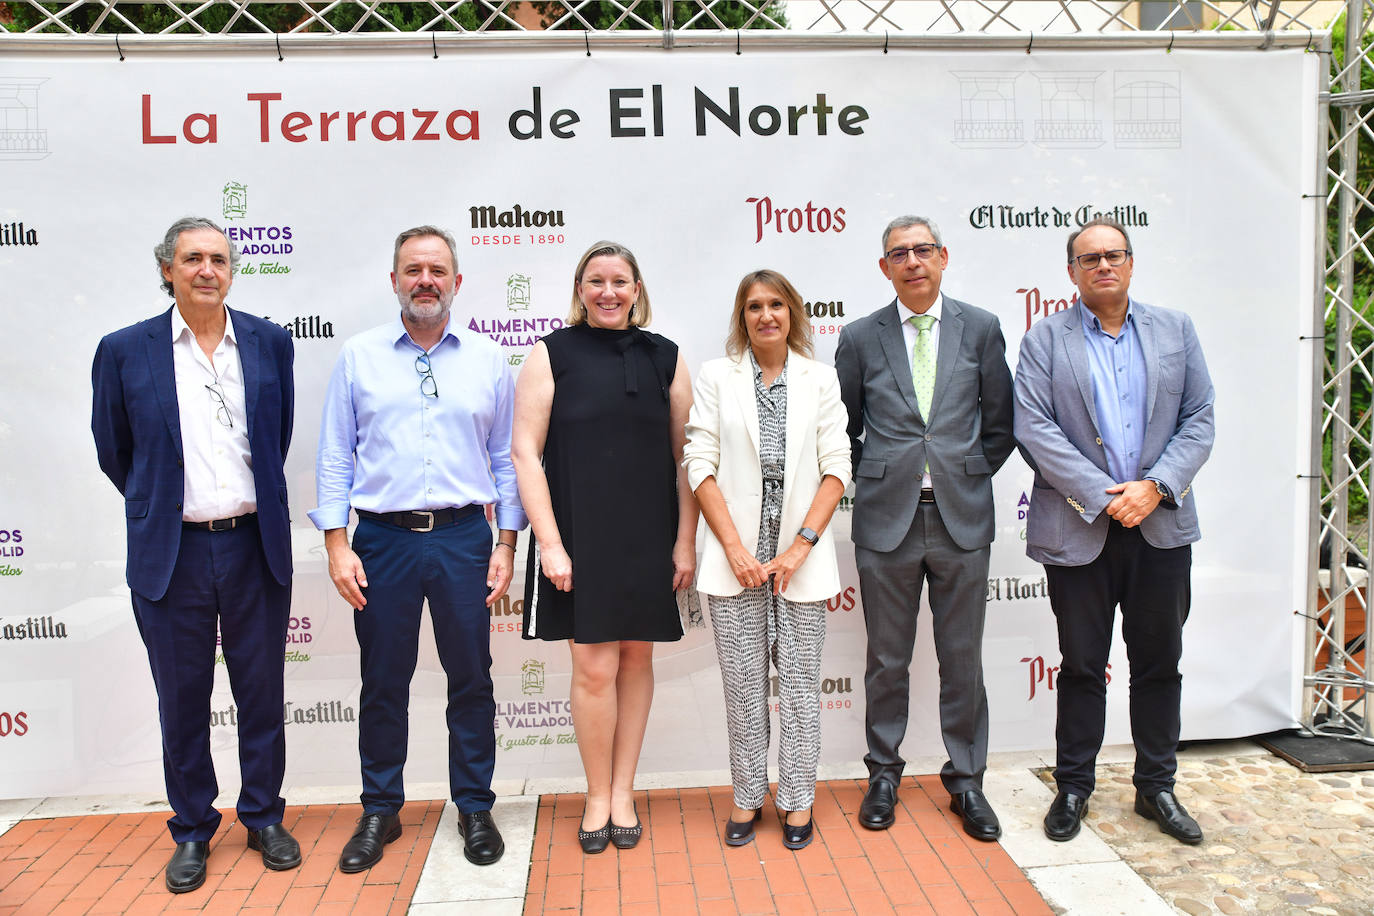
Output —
<point x="608" y="458"/>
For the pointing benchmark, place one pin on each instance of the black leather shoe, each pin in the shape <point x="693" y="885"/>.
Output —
<point x="482" y="843"/>
<point x="279" y="848"/>
<point x="797" y="837"/>
<point x="364" y="848"/>
<point x="627" y="837"/>
<point x="1165" y="810"/>
<point x="594" y="841"/>
<point x="186" y="870"/>
<point x="739" y="833"/>
<point x="1065" y="816"/>
<point x="877" y="812"/>
<point x="980" y="821"/>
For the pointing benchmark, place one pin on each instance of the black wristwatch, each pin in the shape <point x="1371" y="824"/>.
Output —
<point x="809" y="536"/>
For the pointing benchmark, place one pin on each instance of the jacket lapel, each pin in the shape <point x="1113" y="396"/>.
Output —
<point x="742" y="388"/>
<point x="894" y="348"/>
<point x="1149" y="347"/>
<point x="802" y="398"/>
<point x="247" y="341"/>
<point x="1077" y="350"/>
<point x="947" y="352"/>
<point x="158" y="346"/>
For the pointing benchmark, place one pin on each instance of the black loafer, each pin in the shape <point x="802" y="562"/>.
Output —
<point x="1165" y="810"/>
<point x="627" y="837"/>
<point x="279" y="848"/>
<point x="482" y="843"/>
<point x="594" y="841"/>
<point x="797" y="837"/>
<point x="878" y="810"/>
<point x="364" y="848"/>
<point x="980" y="821"/>
<point x="740" y="833"/>
<point x="186" y="870"/>
<point x="1065" y="816"/>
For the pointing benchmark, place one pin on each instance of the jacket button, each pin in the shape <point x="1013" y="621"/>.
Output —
<point x="178" y="506"/>
<point x="1099" y="440"/>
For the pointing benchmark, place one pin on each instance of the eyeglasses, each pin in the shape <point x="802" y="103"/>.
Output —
<point x="923" y="252"/>
<point x="427" y="385"/>
<point x="1115" y="258"/>
<point x="222" y="414"/>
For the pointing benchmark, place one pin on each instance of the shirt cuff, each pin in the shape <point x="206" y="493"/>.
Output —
<point x="327" y="518"/>
<point x="509" y="518"/>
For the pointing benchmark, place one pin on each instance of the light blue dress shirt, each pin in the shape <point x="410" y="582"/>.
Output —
<point x="1118" y="371"/>
<point x="386" y="447"/>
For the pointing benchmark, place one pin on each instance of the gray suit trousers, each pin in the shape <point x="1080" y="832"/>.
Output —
<point x="891" y="584"/>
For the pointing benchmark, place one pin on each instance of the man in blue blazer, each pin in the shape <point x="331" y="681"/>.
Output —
<point x="926" y="385"/>
<point x="1114" y="413"/>
<point x="192" y="415"/>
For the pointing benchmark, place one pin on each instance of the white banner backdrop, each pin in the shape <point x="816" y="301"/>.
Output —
<point x="708" y="165"/>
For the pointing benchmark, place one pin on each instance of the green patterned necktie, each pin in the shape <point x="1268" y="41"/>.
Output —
<point x="923" y="362"/>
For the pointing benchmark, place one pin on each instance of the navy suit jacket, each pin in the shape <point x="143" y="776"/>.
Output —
<point x="138" y="439"/>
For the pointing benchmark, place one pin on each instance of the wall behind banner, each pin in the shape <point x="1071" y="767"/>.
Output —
<point x="708" y="165"/>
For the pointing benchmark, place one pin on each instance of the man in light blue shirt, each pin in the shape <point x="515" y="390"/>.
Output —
<point x="1114" y="413"/>
<point x="416" y="439"/>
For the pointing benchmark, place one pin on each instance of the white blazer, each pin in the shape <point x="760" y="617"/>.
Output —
<point x="723" y="441"/>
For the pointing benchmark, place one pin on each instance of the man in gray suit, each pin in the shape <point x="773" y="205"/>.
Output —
<point x="926" y="384"/>
<point x="1114" y="413"/>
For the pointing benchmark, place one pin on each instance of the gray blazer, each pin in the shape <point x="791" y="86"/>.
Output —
<point x="1056" y="429"/>
<point x="966" y="438"/>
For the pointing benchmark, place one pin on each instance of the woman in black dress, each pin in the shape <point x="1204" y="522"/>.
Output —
<point x="600" y="407"/>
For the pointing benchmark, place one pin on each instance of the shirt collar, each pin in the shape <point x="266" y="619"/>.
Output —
<point x="179" y="326"/>
<point x="758" y="370"/>
<point x="935" y="311"/>
<point x="1092" y="325"/>
<point x="401" y="335"/>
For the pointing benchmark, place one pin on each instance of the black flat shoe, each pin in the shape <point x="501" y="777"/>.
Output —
<point x="482" y="843"/>
<point x="980" y="821"/>
<point x="1165" y="810"/>
<point x="364" y="849"/>
<point x="186" y="870"/>
<point x="740" y="833"/>
<point x="878" y="809"/>
<point x="279" y="848"/>
<point x="797" y="837"/>
<point x="594" y="841"/>
<point x="627" y="837"/>
<point x="1065" y="816"/>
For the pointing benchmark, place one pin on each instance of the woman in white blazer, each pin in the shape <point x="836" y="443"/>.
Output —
<point x="768" y="458"/>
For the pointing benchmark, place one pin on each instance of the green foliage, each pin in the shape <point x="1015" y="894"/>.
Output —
<point x="20" y="16"/>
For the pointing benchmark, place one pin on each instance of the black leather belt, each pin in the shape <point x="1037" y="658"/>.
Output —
<point x="927" y="495"/>
<point x="222" y="524"/>
<point x="421" y="519"/>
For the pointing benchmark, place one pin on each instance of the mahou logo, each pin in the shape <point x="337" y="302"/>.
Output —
<point x="793" y="220"/>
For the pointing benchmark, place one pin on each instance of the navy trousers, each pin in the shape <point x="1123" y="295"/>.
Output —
<point x="220" y="577"/>
<point x="447" y="567"/>
<point x="1153" y="588"/>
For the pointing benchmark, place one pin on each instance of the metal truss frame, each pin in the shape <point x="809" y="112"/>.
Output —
<point x="1337" y="688"/>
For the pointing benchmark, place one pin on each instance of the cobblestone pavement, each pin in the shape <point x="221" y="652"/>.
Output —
<point x="1277" y="840"/>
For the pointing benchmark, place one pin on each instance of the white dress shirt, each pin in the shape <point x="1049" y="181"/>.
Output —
<point x="218" y="463"/>
<point x="910" y="333"/>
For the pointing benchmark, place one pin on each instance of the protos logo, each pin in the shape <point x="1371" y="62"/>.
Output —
<point x="14" y="723"/>
<point x="809" y="218"/>
<point x="1038" y="306"/>
<point x="1044" y="675"/>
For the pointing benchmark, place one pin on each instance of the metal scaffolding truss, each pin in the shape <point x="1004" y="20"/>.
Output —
<point x="1337" y="687"/>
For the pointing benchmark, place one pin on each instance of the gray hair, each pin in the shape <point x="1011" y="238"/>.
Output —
<point x="165" y="250"/>
<point x="906" y="222"/>
<point x="424" y="232"/>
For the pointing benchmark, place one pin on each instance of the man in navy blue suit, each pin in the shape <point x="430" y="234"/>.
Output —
<point x="192" y="416"/>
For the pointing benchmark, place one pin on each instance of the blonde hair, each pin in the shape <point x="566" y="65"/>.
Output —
<point x="798" y="324"/>
<point x="640" y="314"/>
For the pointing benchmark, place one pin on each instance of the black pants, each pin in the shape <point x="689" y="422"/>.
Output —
<point x="1153" y="588"/>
